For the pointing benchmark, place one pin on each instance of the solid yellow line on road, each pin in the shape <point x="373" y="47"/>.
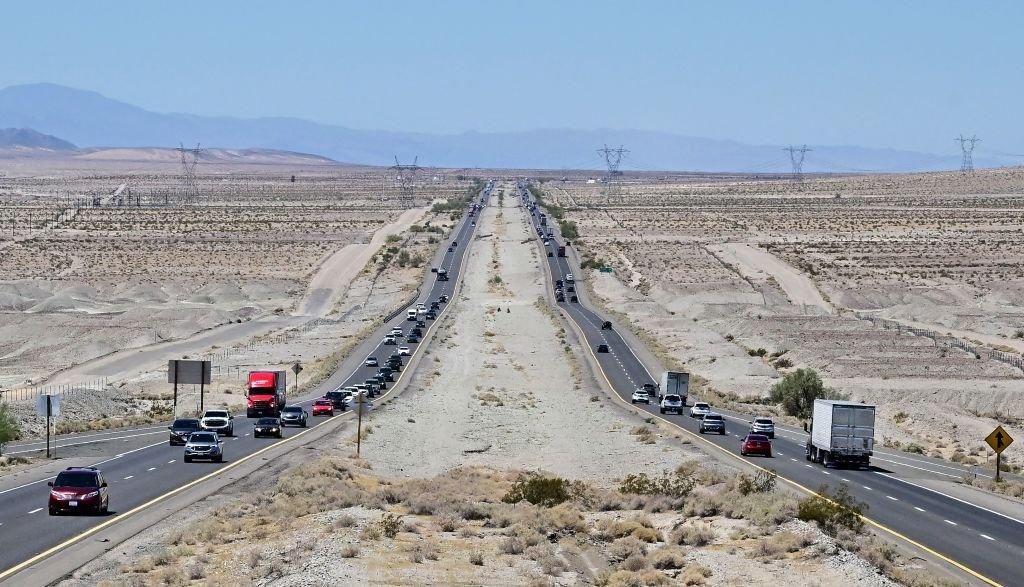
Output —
<point x="89" y="532"/>
<point x="795" y="484"/>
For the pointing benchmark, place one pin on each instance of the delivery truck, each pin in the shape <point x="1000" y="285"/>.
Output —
<point x="675" y="383"/>
<point x="842" y="433"/>
<point x="266" y="393"/>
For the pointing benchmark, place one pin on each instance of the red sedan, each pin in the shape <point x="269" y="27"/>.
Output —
<point x="757" y="444"/>
<point x="323" y="407"/>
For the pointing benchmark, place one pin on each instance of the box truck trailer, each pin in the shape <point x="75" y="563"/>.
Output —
<point x="842" y="433"/>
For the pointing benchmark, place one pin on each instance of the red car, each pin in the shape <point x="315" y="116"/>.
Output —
<point x="323" y="407"/>
<point x="757" y="444"/>
<point x="79" y="489"/>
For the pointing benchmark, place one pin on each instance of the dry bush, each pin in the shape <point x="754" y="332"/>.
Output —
<point x="623" y="548"/>
<point x="349" y="551"/>
<point x="624" y="578"/>
<point x="668" y="557"/>
<point x="696" y="535"/>
<point x="343" y="521"/>
<point x="476" y="558"/>
<point x="695" y="575"/>
<point x="639" y="527"/>
<point x="448" y="522"/>
<point x="634" y="563"/>
<point x="512" y="545"/>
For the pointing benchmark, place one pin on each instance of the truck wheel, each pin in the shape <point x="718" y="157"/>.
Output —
<point x="807" y="453"/>
<point x="826" y="459"/>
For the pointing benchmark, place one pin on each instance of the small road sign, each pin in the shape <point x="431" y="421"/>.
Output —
<point x="999" y="439"/>
<point x="297" y="368"/>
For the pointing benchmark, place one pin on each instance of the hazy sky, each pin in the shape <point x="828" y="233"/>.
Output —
<point x="897" y="73"/>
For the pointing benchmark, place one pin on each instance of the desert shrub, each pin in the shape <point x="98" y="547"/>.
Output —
<point x="698" y="535"/>
<point x="678" y="484"/>
<point x="8" y="426"/>
<point x="538" y="490"/>
<point x="568" y="229"/>
<point x="512" y="545"/>
<point x="349" y="551"/>
<point x="833" y="512"/>
<point x="695" y="575"/>
<point x="761" y="482"/>
<point x="634" y="563"/>
<point x="389" y="525"/>
<point x="448" y="522"/>
<point x="343" y="521"/>
<point x="783" y="363"/>
<point x="625" y="578"/>
<point x="798" y="390"/>
<point x="914" y="448"/>
<point x="623" y="548"/>
<point x="476" y="558"/>
<point x="639" y="527"/>
<point x="669" y="557"/>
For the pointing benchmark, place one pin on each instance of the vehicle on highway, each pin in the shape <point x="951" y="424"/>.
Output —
<point x="79" y="489"/>
<point x="443" y="298"/>
<point x="712" y="422"/>
<point x="266" y="393"/>
<point x="294" y="415"/>
<point x="569" y="278"/>
<point x="410" y="314"/>
<point x="573" y="299"/>
<point x="396" y="332"/>
<point x="602" y="348"/>
<point x="390" y="340"/>
<point x="442" y="274"/>
<point x="421" y="323"/>
<point x="677" y="383"/>
<point x="268" y="427"/>
<point x="403" y="351"/>
<point x="756" y="444"/>
<point x="323" y="407"/>
<point x="559" y="296"/>
<point x="671" y="403"/>
<point x="433" y="269"/>
<point x="435" y="306"/>
<point x="558" y="284"/>
<point x="451" y="249"/>
<point x="421" y="306"/>
<point x="640" y="396"/>
<point x="417" y="331"/>
<point x="699" y="410"/>
<point x="430" y="315"/>
<point x="455" y="243"/>
<point x="570" y="288"/>
<point x="412" y="338"/>
<point x="386" y="373"/>
<point x="550" y="254"/>
<point x="219" y="421"/>
<point x="338" y="398"/>
<point x="841" y="433"/>
<point x="371" y="362"/>
<point x="763" y="425"/>
<point x="606" y="325"/>
<point x="182" y="428"/>
<point x="204" y="445"/>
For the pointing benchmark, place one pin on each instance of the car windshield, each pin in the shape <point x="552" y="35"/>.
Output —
<point x="701" y="406"/>
<point x="292" y="410"/>
<point x="202" y="437"/>
<point x="323" y="402"/>
<point x="757" y="437"/>
<point x="266" y="421"/>
<point x="186" y="424"/>
<point x="671" y="398"/>
<point x="762" y="421"/>
<point x="76" y="479"/>
<point x="712" y="417"/>
<point x="216" y="414"/>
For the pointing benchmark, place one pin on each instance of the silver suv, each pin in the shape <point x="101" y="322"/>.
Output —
<point x="763" y="426"/>
<point x="672" y="403"/>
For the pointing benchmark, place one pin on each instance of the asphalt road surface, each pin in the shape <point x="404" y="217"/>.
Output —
<point x="151" y="467"/>
<point x="989" y="543"/>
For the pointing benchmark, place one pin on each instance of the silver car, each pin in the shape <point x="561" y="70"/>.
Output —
<point x="763" y="426"/>
<point x="204" y="445"/>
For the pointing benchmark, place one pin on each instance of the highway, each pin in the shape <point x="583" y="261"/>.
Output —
<point x="151" y="468"/>
<point x="986" y="544"/>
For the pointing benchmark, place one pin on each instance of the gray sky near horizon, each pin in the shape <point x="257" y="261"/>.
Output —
<point x="911" y="74"/>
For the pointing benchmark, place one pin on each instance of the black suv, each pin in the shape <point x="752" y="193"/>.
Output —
<point x="338" y="398"/>
<point x="181" y="429"/>
<point x="430" y="315"/>
<point x="387" y="373"/>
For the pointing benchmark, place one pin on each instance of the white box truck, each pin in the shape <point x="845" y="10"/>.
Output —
<point x="842" y="433"/>
<point x="675" y="383"/>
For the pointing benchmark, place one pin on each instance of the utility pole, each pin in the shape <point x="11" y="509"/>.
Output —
<point x="405" y="178"/>
<point x="359" y="424"/>
<point x="796" y="158"/>
<point x="189" y="161"/>
<point x="612" y="160"/>
<point x="967" y="150"/>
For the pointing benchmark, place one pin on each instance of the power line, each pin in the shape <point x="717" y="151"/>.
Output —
<point x="967" y="149"/>
<point x="189" y="162"/>
<point x="612" y="160"/>
<point x="405" y="178"/>
<point x="796" y="159"/>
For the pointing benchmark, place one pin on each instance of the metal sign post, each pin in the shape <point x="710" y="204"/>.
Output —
<point x="189" y="373"/>
<point x="48" y="406"/>
<point x="999" y="439"/>
<point x="296" y="368"/>
<point x="359" y="423"/>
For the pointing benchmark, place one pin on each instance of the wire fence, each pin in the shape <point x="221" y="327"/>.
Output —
<point x="68" y="389"/>
<point x="980" y="352"/>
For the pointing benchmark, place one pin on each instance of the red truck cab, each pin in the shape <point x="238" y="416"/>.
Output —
<point x="266" y="393"/>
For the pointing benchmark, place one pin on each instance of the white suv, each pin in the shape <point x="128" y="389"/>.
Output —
<point x="640" y="396"/>
<point x="219" y="421"/>
<point x="672" y="403"/>
<point x="699" y="410"/>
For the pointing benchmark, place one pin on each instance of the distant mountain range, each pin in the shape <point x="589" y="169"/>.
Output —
<point x="89" y="119"/>
<point x="28" y="138"/>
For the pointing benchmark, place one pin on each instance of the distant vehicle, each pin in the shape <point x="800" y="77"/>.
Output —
<point x="573" y="299"/>
<point x="569" y="278"/>
<point x="435" y="306"/>
<point x="756" y="444"/>
<point x="451" y="249"/>
<point x="404" y="351"/>
<point x="386" y="373"/>
<point x="204" y="445"/>
<point x="421" y="323"/>
<point x="182" y="428"/>
<point x="79" y="489"/>
<point x="558" y="284"/>
<point x="550" y="254"/>
<point x="410" y="314"/>
<point x="712" y="423"/>
<point x="442" y="274"/>
<point x="433" y="269"/>
<point x="602" y="348"/>
<point x="570" y="288"/>
<point x="219" y="421"/>
<point x="652" y="390"/>
<point x="559" y="296"/>
<point x="561" y="251"/>
<point x="338" y="398"/>
<point x="430" y="315"/>
<point x="396" y="332"/>
<point x="763" y="426"/>
<point x="455" y="243"/>
<point x="371" y="362"/>
<point x="640" y="396"/>
<point x="268" y="427"/>
<point x="294" y="415"/>
<point x="841" y="433"/>
<point x="671" y="403"/>
<point x="323" y="407"/>
<point x="443" y="298"/>
<point x="421" y="306"/>
<point x="677" y="383"/>
<point x="412" y="338"/>
<point x="266" y="393"/>
<point x="699" y="410"/>
<point x="390" y="340"/>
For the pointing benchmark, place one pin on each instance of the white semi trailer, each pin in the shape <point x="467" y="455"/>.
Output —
<point x="842" y="433"/>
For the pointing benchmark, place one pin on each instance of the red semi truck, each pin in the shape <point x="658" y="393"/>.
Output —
<point x="266" y="393"/>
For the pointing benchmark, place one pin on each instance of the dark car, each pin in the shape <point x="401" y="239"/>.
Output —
<point x="574" y="299"/>
<point x="268" y="427"/>
<point x="550" y="254"/>
<point x="559" y="296"/>
<point x="430" y="315"/>
<point x="435" y="305"/>
<point x="421" y="323"/>
<point x="387" y="373"/>
<point x="181" y="429"/>
<point x="602" y="348"/>
<point x="570" y="288"/>
<point x="756" y="444"/>
<point x="606" y="325"/>
<point x="294" y="415"/>
<point x="338" y="398"/>
<point x="443" y="298"/>
<point x="558" y="284"/>
<point x="417" y="331"/>
<point x="79" y="489"/>
<point x="412" y="339"/>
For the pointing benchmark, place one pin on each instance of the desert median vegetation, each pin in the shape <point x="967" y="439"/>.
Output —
<point x="334" y="520"/>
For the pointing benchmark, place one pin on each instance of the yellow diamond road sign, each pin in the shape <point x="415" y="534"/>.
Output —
<point x="999" y="439"/>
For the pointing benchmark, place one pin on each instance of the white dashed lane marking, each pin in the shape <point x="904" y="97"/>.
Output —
<point x="866" y="487"/>
<point x="987" y="537"/>
<point x="36" y="510"/>
<point x="170" y="461"/>
<point x="151" y="469"/>
<point x="950" y="522"/>
<point x="128" y="477"/>
<point x="919" y="509"/>
<point x="891" y="497"/>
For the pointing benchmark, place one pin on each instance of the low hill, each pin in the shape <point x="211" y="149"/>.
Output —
<point x="31" y="139"/>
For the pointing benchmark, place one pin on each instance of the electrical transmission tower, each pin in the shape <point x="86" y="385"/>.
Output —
<point x="189" y="162"/>
<point x="612" y="160"/>
<point x="405" y="179"/>
<point x="796" y="158"/>
<point x="967" y="148"/>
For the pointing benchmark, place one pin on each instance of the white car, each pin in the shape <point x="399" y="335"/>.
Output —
<point x="568" y="278"/>
<point x="219" y="421"/>
<point x="421" y="306"/>
<point x="371" y="362"/>
<point x="640" y="396"/>
<point x="396" y="332"/>
<point x="699" y="410"/>
<point x="672" y="403"/>
<point x="404" y="351"/>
